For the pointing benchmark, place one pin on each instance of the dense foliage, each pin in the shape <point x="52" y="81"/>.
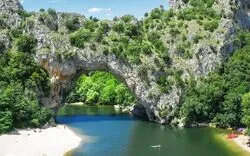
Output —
<point x="147" y="42"/>
<point x="218" y="98"/>
<point x="246" y="109"/>
<point x="72" y="23"/>
<point x="131" y="39"/>
<point x="20" y="80"/>
<point x="100" y="88"/>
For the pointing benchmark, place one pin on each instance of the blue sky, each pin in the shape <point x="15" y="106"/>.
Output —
<point x="103" y="9"/>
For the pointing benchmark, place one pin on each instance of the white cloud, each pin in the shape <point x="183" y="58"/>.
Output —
<point x="98" y="10"/>
<point x="57" y="1"/>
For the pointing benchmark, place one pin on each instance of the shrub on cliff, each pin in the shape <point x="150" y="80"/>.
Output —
<point x="72" y="23"/>
<point x="156" y="13"/>
<point x="118" y="27"/>
<point x="80" y="37"/>
<point x="52" y="12"/>
<point x="198" y="3"/>
<point x="211" y="25"/>
<point x="26" y="43"/>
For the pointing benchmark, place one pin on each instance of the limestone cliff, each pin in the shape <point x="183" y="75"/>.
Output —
<point x="65" y="62"/>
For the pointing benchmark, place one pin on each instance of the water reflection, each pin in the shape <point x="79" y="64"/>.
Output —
<point x="87" y="110"/>
<point x="174" y="141"/>
<point x="122" y="135"/>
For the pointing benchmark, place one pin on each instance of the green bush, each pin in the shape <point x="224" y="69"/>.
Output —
<point x="246" y="109"/>
<point x="199" y="3"/>
<point x="156" y="13"/>
<point x="168" y="14"/>
<point x="52" y="13"/>
<point x="104" y="27"/>
<point x="15" y="33"/>
<point x="174" y="32"/>
<point x="6" y="121"/>
<point x="80" y="37"/>
<point x="127" y="18"/>
<point x="72" y="23"/>
<point x="2" y="47"/>
<point x="91" y="25"/>
<point x="211" y="25"/>
<point x="24" y="14"/>
<point x="41" y="10"/>
<point x="132" y="30"/>
<point x="119" y="27"/>
<point x="26" y="43"/>
<point x="92" y="97"/>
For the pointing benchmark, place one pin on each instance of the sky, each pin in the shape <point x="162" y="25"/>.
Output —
<point x="102" y="9"/>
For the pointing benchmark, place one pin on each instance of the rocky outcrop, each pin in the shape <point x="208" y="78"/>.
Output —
<point x="65" y="63"/>
<point x="9" y="10"/>
<point x="10" y="5"/>
<point x="63" y="75"/>
<point x="243" y="13"/>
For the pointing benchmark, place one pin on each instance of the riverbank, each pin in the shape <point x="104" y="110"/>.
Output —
<point x="237" y="145"/>
<point x="76" y="104"/>
<point x="54" y="141"/>
<point x="241" y="140"/>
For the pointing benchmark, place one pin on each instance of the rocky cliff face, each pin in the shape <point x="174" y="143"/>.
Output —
<point x="65" y="62"/>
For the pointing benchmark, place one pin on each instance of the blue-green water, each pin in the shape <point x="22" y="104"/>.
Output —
<point x="123" y="135"/>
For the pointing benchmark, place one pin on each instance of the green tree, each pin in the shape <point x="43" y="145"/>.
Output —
<point x="80" y="37"/>
<point x="72" y="23"/>
<point x="246" y="109"/>
<point x="100" y="88"/>
<point x="92" y="97"/>
<point x="6" y="122"/>
<point x="220" y="94"/>
<point x="26" y="43"/>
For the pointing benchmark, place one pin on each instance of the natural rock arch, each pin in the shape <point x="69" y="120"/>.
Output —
<point x="64" y="74"/>
<point x="53" y="43"/>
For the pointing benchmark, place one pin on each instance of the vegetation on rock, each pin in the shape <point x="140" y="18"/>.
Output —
<point x="100" y="88"/>
<point x="218" y="98"/>
<point x="21" y="80"/>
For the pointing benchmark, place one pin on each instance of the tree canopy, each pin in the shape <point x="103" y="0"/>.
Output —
<point x="101" y="88"/>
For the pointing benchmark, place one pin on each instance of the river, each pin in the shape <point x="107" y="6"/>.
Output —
<point x="115" y="134"/>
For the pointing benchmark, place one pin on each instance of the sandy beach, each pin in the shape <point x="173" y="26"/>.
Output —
<point x="54" y="141"/>
<point x="76" y="104"/>
<point x="241" y="141"/>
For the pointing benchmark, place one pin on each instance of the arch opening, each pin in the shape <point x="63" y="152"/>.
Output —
<point x="102" y="88"/>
